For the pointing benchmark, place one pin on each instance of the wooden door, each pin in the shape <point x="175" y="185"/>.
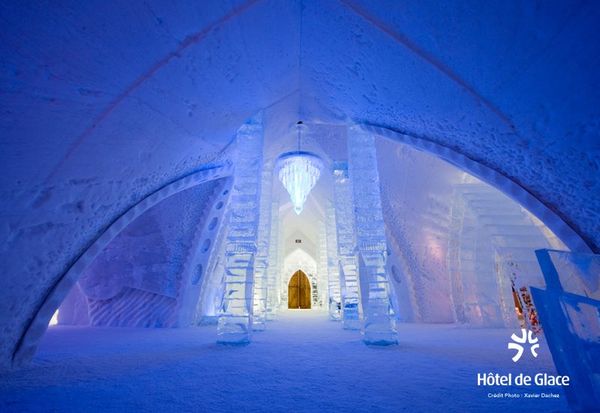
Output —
<point x="299" y="291"/>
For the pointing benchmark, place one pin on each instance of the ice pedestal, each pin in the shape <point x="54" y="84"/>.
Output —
<point x="379" y="323"/>
<point x="348" y="266"/>
<point x="569" y="311"/>
<point x="235" y="318"/>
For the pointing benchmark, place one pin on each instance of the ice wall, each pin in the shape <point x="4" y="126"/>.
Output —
<point x="458" y="247"/>
<point x="139" y="279"/>
<point x="416" y="200"/>
<point x="490" y="256"/>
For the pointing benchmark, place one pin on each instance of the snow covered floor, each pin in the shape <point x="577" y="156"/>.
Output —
<point x="302" y="363"/>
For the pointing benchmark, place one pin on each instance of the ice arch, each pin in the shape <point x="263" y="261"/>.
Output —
<point x="27" y="344"/>
<point x="494" y="178"/>
<point x="89" y="131"/>
<point x="454" y="241"/>
<point x="298" y="260"/>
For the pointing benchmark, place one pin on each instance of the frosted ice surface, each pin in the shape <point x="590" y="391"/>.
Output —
<point x="569" y="310"/>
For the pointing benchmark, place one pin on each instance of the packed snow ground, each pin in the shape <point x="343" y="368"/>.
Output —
<point x="302" y="363"/>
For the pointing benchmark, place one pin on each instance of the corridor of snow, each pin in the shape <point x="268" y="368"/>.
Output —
<point x="302" y="363"/>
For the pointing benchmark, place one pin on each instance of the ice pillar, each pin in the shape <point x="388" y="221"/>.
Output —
<point x="235" y="318"/>
<point x="262" y="255"/>
<point x="344" y="212"/>
<point x="273" y="269"/>
<point x="322" y="272"/>
<point x="379" y="323"/>
<point x="333" y="273"/>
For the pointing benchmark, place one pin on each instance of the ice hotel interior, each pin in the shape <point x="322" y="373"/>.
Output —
<point x="299" y="206"/>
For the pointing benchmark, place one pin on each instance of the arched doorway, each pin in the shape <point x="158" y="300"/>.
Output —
<point x="299" y="291"/>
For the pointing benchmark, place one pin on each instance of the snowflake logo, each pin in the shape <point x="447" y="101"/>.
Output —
<point x="526" y="337"/>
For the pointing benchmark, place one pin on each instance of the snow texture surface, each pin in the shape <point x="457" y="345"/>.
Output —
<point x="302" y="363"/>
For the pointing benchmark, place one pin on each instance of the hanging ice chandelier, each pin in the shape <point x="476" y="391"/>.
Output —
<point x="299" y="171"/>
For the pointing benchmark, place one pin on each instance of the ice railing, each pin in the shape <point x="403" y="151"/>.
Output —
<point x="569" y="311"/>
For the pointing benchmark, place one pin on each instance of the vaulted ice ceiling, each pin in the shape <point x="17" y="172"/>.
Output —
<point x="104" y="102"/>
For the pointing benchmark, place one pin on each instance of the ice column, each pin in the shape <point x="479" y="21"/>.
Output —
<point x="379" y="323"/>
<point x="235" y="318"/>
<point x="262" y="256"/>
<point x="346" y="238"/>
<point x="322" y="269"/>
<point x="333" y="273"/>
<point x="281" y="279"/>
<point x="273" y="269"/>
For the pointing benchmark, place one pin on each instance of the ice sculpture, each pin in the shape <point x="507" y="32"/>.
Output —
<point x="333" y="275"/>
<point x="379" y="323"/>
<point x="569" y="310"/>
<point x="262" y="256"/>
<point x="235" y="318"/>
<point x="273" y="270"/>
<point x="346" y="238"/>
<point x="299" y="171"/>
